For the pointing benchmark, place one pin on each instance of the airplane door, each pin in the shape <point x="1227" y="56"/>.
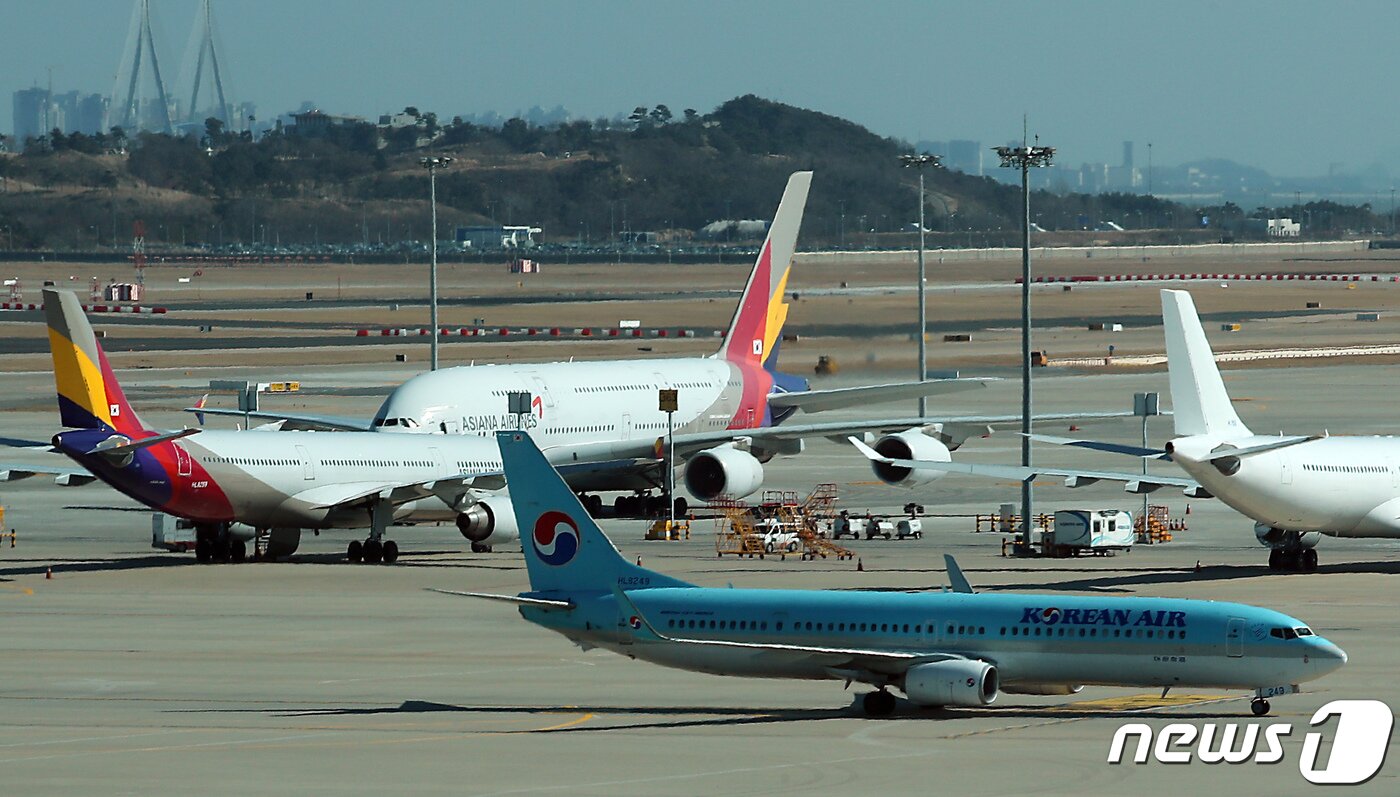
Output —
<point x="308" y="471"/>
<point x="1234" y="637"/>
<point x="182" y="461"/>
<point x="451" y="427"/>
<point x="1285" y="463"/>
<point x="436" y="456"/>
<point x="626" y="427"/>
<point x="1394" y="474"/>
<point x="542" y="390"/>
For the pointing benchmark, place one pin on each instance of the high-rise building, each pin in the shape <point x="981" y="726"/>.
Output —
<point x="1127" y="154"/>
<point x="32" y="114"/>
<point x="965" y="156"/>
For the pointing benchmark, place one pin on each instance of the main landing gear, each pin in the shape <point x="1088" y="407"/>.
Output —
<point x="879" y="703"/>
<point x="642" y="505"/>
<point x="373" y="551"/>
<point x="376" y="549"/>
<point x="1259" y="706"/>
<point x="214" y="543"/>
<point x="1295" y="559"/>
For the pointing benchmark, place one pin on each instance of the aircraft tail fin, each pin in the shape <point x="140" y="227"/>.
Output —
<point x="89" y="396"/>
<point x="757" y="326"/>
<point x="1200" y="404"/>
<point x="565" y="551"/>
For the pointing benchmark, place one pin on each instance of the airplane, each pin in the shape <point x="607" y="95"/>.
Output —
<point x="1296" y="488"/>
<point x="236" y="486"/>
<point x="735" y="409"/>
<point x="958" y="648"/>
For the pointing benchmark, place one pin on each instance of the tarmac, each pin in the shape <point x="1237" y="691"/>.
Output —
<point x="132" y="671"/>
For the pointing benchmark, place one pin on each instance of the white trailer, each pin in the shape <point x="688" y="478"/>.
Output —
<point x="1095" y="531"/>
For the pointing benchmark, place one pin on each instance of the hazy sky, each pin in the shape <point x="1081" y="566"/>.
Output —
<point x="1289" y="86"/>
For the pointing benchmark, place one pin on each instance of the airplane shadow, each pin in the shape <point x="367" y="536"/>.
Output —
<point x="633" y="718"/>
<point x="35" y="567"/>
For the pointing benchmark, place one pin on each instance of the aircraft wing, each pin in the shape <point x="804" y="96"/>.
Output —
<point x="65" y="476"/>
<point x="954" y="429"/>
<point x="292" y="422"/>
<point x="1136" y="483"/>
<point x="451" y="490"/>
<point x="837" y="398"/>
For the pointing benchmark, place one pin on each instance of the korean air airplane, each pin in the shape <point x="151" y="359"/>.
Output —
<point x="939" y="649"/>
<point x="1296" y="488"/>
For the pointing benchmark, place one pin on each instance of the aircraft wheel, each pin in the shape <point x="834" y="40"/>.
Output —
<point x="1260" y="707"/>
<point x="203" y="550"/>
<point x="682" y="506"/>
<point x="373" y="551"/>
<point x="593" y="504"/>
<point x="1275" y="559"/>
<point x="391" y="552"/>
<point x="478" y="547"/>
<point x="356" y="551"/>
<point x="878" y="704"/>
<point x="237" y="551"/>
<point x="1310" y="559"/>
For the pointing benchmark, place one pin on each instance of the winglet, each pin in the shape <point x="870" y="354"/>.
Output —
<point x="955" y="575"/>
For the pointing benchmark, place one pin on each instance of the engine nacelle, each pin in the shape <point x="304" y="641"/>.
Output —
<point x="909" y="444"/>
<point x="723" y="472"/>
<point x="1042" y="689"/>
<point x="490" y="519"/>
<point x="1271" y="537"/>
<point x="956" y="682"/>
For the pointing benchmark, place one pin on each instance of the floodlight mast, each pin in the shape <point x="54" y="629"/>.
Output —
<point x="432" y="164"/>
<point x="1024" y="158"/>
<point x="922" y="162"/>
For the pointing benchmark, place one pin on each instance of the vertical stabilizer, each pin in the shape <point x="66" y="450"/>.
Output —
<point x="88" y="394"/>
<point x="757" y="326"/>
<point x="1200" y="405"/>
<point x="565" y="551"/>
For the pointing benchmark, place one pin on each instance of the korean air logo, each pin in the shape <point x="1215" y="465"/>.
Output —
<point x="635" y="622"/>
<point x="555" y="538"/>
<point x="1050" y="616"/>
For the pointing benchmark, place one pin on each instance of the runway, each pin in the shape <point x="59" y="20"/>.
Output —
<point x="137" y="672"/>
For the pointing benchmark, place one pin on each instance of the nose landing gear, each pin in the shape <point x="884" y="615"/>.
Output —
<point x="1259" y="706"/>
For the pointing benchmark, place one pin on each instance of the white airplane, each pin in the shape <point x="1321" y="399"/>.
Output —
<point x="954" y="648"/>
<point x="1296" y="488"/>
<point x="735" y="408"/>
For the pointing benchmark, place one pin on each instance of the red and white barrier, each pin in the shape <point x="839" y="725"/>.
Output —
<point x="1215" y="278"/>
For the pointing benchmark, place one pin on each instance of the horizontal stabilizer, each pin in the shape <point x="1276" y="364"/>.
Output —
<point x="1096" y="445"/>
<point x="519" y="600"/>
<point x="115" y="450"/>
<point x="838" y="398"/>
<point x="1274" y="445"/>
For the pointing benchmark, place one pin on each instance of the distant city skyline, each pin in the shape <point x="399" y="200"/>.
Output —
<point x="1296" y="89"/>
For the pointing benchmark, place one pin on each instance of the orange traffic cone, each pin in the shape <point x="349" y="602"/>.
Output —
<point x="1188" y="509"/>
<point x="860" y="565"/>
<point x="48" y="574"/>
<point x="639" y="561"/>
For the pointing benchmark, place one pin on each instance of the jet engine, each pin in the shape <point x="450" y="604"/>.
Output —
<point x="956" y="682"/>
<point x="909" y="444"/>
<point x="489" y="519"/>
<point x="723" y="472"/>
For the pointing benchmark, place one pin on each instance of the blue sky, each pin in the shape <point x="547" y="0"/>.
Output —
<point x="1289" y="86"/>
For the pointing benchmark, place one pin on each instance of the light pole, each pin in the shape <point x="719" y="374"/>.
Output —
<point x="922" y="162"/>
<point x="1024" y="157"/>
<point x="432" y="164"/>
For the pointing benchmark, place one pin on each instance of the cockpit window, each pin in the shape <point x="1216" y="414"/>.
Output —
<point x="1289" y="633"/>
<point x="407" y="423"/>
<point x="1303" y="631"/>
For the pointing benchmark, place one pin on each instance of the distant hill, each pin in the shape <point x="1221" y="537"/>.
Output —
<point x="580" y="181"/>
